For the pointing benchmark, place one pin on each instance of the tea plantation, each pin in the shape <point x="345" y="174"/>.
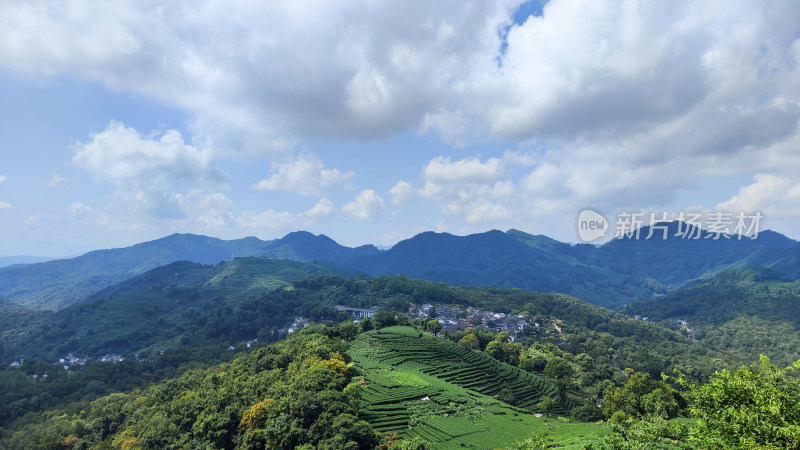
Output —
<point x="418" y="385"/>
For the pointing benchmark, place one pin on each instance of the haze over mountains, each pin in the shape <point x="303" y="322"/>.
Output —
<point x="6" y="261"/>
<point x="610" y="275"/>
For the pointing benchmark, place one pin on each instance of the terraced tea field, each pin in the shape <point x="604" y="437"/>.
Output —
<point x="418" y="385"/>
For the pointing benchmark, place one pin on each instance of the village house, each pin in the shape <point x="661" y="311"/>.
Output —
<point x="357" y="313"/>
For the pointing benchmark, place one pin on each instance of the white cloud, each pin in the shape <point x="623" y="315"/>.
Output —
<point x="777" y="198"/>
<point x="517" y="158"/>
<point x="775" y="195"/>
<point x="206" y="211"/>
<point x="271" y="221"/>
<point x="623" y="102"/>
<point x="355" y="70"/>
<point x="401" y="192"/>
<point x="322" y="208"/>
<point x="56" y="180"/>
<point x="469" y="188"/>
<point x="305" y="176"/>
<point x="367" y="205"/>
<point x="120" y="153"/>
<point x="3" y="178"/>
<point x="451" y="126"/>
<point x="604" y="69"/>
<point x="468" y="170"/>
<point x="485" y="211"/>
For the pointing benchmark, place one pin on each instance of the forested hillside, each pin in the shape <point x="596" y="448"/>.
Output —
<point x="180" y="304"/>
<point x="745" y="312"/>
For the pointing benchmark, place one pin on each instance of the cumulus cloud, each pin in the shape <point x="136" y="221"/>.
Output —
<point x="469" y="187"/>
<point x="777" y="198"/>
<point x="322" y="208"/>
<point x="120" y="153"/>
<point x="367" y="205"/>
<point x="624" y="102"/>
<point x="401" y="192"/>
<point x="56" y="180"/>
<point x="469" y="170"/>
<point x="350" y="70"/>
<point x="605" y="68"/>
<point x="305" y="176"/>
<point x="270" y="220"/>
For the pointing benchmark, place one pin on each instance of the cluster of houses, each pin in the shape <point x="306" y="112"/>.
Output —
<point x="112" y="358"/>
<point x="680" y="324"/>
<point x="299" y="323"/>
<point x="458" y="318"/>
<point x="450" y="317"/>
<point x="72" y="360"/>
<point x="357" y="313"/>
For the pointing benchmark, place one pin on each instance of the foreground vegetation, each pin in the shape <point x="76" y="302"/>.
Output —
<point x="328" y="387"/>
<point x="293" y="393"/>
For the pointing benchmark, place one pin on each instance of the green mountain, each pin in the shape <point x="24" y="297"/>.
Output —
<point x="509" y="260"/>
<point x="304" y="246"/>
<point x="616" y="273"/>
<point x="180" y="304"/>
<point x="60" y="283"/>
<point x="745" y="312"/>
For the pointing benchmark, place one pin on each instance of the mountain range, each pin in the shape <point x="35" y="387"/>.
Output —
<point x="616" y="273"/>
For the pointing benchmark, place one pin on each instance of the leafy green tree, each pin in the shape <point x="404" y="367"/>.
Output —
<point x="469" y="342"/>
<point x="434" y="326"/>
<point x="640" y="396"/>
<point x="755" y="406"/>
<point x="507" y="352"/>
<point x="646" y="433"/>
<point x="533" y="364"/>
<point x="547" y="405"/>
<point x="558" y="368"/>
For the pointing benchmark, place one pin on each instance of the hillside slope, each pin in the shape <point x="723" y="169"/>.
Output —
<point x="182" y="303"/>
<point x="420" y="386"/>
<point x="59" y="283"/>
<point x="745" y="312"/>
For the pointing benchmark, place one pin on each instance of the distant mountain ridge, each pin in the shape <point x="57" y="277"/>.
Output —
<point x="305" y="246"/>
<point x="6" y="261"/>
<point x="616" y="273"/>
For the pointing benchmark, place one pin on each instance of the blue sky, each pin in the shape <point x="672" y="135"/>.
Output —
<point x="129" y="121"/>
